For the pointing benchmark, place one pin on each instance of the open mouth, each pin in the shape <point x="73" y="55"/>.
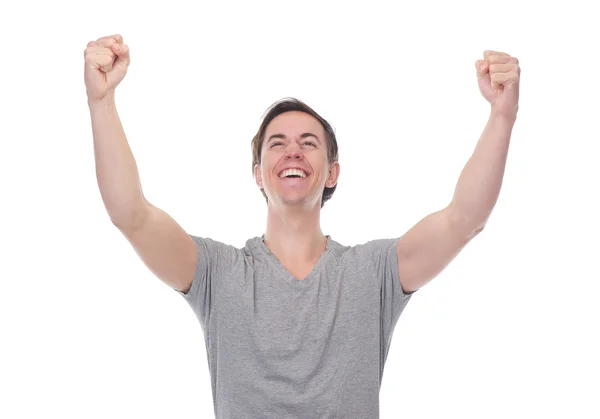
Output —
<point x="293" y="174"/>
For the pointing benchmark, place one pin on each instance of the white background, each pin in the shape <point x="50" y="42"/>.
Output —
<point x="509" y="329"/>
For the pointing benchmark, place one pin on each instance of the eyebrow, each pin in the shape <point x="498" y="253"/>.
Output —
<point x="305" y="135"/>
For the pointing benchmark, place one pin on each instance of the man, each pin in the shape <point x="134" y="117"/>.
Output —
<point x="296" y="324"/>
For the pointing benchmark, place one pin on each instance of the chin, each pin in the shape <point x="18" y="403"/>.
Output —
<point x="303" y="200"/>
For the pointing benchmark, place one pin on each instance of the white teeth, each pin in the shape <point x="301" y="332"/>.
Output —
<point x="289" y="172"/>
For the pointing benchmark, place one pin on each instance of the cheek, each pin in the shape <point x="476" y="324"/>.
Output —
<point x="265" y="170"/>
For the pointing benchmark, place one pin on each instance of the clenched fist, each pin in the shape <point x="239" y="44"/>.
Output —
<point x="498" y="75"/>
<point x="106" y="63"/>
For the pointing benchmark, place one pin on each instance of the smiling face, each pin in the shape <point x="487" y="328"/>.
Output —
<point x="295" y="140"/>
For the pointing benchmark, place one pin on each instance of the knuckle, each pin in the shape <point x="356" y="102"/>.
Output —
<point x="105" y="41"/>
<point x="99" y="60"/>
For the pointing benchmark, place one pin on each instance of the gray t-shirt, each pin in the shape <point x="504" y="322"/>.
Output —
<point x="282" y="348"/>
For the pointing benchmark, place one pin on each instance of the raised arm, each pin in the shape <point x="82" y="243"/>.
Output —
<point x="428" y="247"/>
<point x="164" y="247"/>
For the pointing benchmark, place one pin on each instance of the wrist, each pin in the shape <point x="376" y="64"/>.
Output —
<point x="503" y="117"/>
<point x="106" y="101"/>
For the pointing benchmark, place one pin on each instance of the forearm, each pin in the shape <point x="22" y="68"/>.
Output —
<point x="116" y="170"/>
<point x="480" y="181"/>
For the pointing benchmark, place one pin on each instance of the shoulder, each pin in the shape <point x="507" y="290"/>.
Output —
<point x="372" y="251"/>
<point x="217" y="249"/>
<point x="373" y="248"/>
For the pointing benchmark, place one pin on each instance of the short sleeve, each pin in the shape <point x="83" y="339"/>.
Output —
<point x="214" y="262"/>
<point x="393" y="297"/>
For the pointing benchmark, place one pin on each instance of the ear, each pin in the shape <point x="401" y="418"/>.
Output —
<point x="334" y="173"/>
<point x="258" y="176"/>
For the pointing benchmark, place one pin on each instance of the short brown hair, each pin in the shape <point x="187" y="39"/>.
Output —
<point x="287" y="105"/>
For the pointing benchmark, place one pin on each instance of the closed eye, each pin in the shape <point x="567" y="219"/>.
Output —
<point x="279" y="143"/>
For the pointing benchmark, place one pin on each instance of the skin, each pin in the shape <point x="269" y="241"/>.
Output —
<point x="110" y="55"/>
<point x="293" y="231"/>
<point x="428" y="247"/>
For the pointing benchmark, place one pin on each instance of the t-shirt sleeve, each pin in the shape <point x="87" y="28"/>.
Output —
<point x="393" y="297"/>
<point x="215" y="260"/>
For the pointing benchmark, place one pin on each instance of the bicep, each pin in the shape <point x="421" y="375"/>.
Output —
<point x="428" y="247"/>
<point x="164" y="247"/>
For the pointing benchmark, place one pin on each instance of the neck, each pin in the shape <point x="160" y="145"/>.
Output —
<point x="295" y="234"/>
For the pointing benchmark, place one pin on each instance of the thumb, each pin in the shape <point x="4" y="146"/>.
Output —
<point x="483" y="77"/>
<point x="122" y="52"/>
<point x="483" y="70"/>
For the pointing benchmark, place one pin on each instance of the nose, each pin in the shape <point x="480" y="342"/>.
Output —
<point x="293" y="151"/>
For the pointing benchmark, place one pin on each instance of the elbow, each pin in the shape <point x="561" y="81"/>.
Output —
<point x="130" y="221"/>
<point x="476" y="230"/>
<point x="468" y="224"/>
